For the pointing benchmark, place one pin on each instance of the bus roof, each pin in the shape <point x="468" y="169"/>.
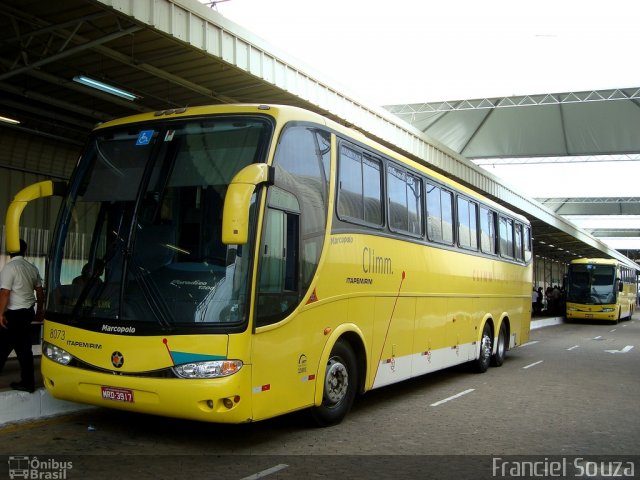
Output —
<point x="595" y="261"/>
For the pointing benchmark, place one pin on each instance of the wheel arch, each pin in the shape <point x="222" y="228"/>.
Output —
<point x="488" y="319"/>
<point x="352" y="335"/>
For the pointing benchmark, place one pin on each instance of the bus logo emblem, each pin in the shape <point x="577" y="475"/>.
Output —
<point x="117" y="359"/>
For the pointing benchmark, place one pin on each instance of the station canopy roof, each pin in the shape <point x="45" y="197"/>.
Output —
<point x="576" y="127"/>
<point x="176" y="53"/>
<point x="589" y="123"/>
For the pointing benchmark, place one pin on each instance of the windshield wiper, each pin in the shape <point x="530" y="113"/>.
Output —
<point x="152" y="295"/>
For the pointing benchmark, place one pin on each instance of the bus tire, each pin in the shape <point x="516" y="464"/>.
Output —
<point x="339" y="386"/>
<point x="481" y="364"/>
<point x="617" y="320"/>
<point x="501" y="347"/>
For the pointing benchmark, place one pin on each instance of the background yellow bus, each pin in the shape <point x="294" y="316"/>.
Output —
<point x="600" y="289"/>
<point x="234" y="263"/>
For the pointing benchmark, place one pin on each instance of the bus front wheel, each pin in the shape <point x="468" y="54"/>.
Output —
<point x="339" y="386"/>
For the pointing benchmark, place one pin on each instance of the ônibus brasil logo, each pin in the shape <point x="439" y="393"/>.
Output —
<point x="22" y="466"/>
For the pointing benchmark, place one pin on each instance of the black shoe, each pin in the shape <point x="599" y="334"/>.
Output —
<point x="22" y="387"/>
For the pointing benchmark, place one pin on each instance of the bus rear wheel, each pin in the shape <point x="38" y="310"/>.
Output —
<point x="339" y="386"/>
<point x="481" y="364"/>
<point x="501" y="347"/>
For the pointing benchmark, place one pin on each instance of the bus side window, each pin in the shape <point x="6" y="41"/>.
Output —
<point x="527" y="244"/>
<point x="506" y="237"/>
<point x="487" y="230"/>
<point x="467" y="224"/>
<point x="439" y="214"/>
<point x="405" y="201"/>
<point x="360" y="187"/>
<point x="518" y="239"/>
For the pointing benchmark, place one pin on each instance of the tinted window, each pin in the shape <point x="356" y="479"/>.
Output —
<point x="405" y="201"/>
<point x="487" y="230"/>
<point x="467" y="224"/>
<point x="518" y="246"/>
<point x="439" y="214"/>
<point x="506" y="237"/>
<point x="360" y="191"/>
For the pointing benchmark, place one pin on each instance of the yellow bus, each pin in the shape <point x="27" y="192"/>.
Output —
<point x="600" y="289"/>
<point x="233" y="263"/>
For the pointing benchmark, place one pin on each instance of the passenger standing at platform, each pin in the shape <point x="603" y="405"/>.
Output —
<point x="19" y="280"/>
<point x="539" y="300"/>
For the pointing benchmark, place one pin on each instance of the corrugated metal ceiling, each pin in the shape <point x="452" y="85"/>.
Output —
<point x="170" y="57"/>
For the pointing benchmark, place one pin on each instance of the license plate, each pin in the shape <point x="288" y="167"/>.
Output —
<point x="588" y="315"/>
<point x="117" y="394"/>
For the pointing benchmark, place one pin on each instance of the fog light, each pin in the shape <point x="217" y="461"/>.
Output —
<point x="227" y="403"/>
<point x="210" y="404"/>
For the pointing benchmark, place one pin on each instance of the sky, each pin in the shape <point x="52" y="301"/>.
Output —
<point x="412" y="51"/>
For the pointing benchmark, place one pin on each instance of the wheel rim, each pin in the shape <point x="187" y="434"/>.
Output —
<point x="336" y="382"/>
<point x="485" y="348"/>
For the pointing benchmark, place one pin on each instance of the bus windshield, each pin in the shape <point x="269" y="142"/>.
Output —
<point x="139" y="236"/>
<point x="591" y="284"/>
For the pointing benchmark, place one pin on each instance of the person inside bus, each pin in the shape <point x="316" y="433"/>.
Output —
<point x="84" y="277"/>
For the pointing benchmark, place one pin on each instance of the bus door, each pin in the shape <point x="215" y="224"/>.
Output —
<point x="279" y="359"/>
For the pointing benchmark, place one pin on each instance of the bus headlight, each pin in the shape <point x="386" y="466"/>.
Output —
<point x="56" y="354"/>
<point x="211" y="369"/>
<point x="572" y="309"/>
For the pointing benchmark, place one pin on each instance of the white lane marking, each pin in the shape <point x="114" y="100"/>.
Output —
<point x="533" y="364"/>
<point x="598" y="337"/>
<point x="453" y="397"/>
<point x="529" y="343"/>
<point x="266" y="472"/>
<point x="624" y="350"/>
<point x="573" y="348"/>
<point x="611" y="331"/>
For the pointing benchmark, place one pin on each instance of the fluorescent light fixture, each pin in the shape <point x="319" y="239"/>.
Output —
<point x="9" y="120"/>
<point x="104" y="87"/>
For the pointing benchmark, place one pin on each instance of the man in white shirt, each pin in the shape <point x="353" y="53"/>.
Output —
<point x="20" y="289"/>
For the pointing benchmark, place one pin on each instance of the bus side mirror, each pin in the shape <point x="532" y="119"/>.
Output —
<point x="235" y="215"/>
<point x="18" y="204"/>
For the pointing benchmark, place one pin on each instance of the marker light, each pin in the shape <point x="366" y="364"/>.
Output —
<point x="212" y="369"/>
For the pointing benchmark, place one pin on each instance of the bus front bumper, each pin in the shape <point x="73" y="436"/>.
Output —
<point x="221" y="400"/>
